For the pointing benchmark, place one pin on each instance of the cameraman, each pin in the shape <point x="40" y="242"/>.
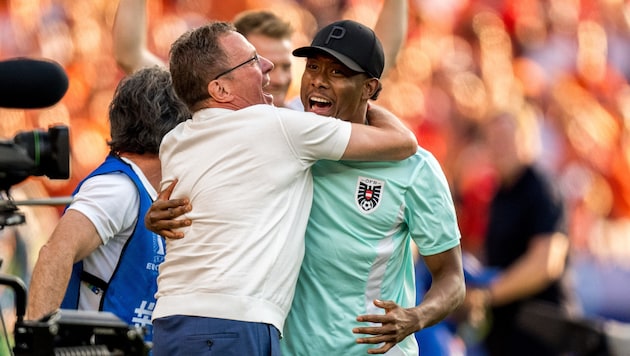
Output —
<point x="100" y="256"/>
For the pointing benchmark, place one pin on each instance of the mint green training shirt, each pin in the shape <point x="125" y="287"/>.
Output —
<point x="358" y="248"/>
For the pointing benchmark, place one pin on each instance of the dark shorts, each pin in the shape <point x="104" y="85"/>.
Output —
<point x="191" y="335"/>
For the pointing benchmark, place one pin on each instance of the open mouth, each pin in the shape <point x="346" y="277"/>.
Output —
<point x="267" y="92"/>
<point x="318" y="104"/>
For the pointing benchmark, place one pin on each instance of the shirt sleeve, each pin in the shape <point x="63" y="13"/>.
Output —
<point x="316" y="137"/>
<point x="111" y="202"/>
<point x="548" y="209"/>
<point x="430" y="211"/>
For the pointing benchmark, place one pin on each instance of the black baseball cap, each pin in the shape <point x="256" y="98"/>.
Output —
<point x="353" y="44"/>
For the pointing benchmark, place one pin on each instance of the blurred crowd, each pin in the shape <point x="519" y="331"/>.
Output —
<point x="567" y="61"/>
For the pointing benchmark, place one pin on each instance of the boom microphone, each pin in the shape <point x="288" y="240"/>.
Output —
<point x="31" y="84"/>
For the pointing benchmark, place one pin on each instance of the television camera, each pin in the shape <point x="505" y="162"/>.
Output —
<point x="30" y="84"/>
<point x="31" y="153"/>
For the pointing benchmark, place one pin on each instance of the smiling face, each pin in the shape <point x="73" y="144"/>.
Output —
<point x="245" y="82"/>
<point x="330" y="88"/>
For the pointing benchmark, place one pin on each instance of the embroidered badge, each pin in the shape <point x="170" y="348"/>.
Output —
<point x="369" y="192"/>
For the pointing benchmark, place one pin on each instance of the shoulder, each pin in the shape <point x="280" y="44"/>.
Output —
<point x="108" y="201"/>
<point x="176" y="131"/>
<point x="537" y="179"/>
<point x="424" y="160"/>
<point x="426" y="172"/>
<point x="541" y="185"/>
<point x="423" y="154"/>
<point x="295" y="104"/>
<point x="106" y="185"/>
<point x="308" y="121"/>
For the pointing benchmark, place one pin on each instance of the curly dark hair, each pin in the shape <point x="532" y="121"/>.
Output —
<point x="143" y="110"/>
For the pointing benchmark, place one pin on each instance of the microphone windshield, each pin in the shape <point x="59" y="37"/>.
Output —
<point x="31" y="84"/>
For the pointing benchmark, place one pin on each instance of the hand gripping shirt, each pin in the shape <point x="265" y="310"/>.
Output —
<point x="364" y="217"/>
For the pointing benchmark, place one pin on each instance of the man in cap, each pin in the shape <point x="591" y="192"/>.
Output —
<point x="358" y="261"/>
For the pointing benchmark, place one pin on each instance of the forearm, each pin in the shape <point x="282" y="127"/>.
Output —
<point x="391" y="29"/>
<point x="48" y="282"/>
<point x="73" y="239"/>
<point x="448" y="289"/>
<point x="444" y="296"/>
<point x="384" y="138"/>
<point x="130" y="37"/>
<point x="543" y="264"/>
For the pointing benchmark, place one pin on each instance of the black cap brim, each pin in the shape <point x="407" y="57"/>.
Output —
<point x="310" y="51"/>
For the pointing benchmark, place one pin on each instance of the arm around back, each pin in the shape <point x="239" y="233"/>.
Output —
<point x="385" y="138"/>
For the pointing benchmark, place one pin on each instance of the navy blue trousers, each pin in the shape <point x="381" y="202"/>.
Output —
<point x="192" y="335"/>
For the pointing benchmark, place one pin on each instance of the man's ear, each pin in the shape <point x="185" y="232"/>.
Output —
<point x="219" y="92"/>
<point x="370" y="86"/>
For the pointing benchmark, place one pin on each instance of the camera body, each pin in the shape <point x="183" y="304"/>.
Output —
<point x="35" y="153"/>
<point x="31" y="153"/>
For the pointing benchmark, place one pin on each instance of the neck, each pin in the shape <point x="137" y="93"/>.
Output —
<point x="150" y="166"/>
<point x="509" y="175"/>
<point x="361" y="116"/>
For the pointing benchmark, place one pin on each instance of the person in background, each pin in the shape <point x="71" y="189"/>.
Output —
<point x="100" y="256"/>
<point x="357" y="266"/>
<point x="271" y="36"/>
<point x="246" y="165"/>
<point x="269" y="33"/>
<point x="526" y="241"/>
